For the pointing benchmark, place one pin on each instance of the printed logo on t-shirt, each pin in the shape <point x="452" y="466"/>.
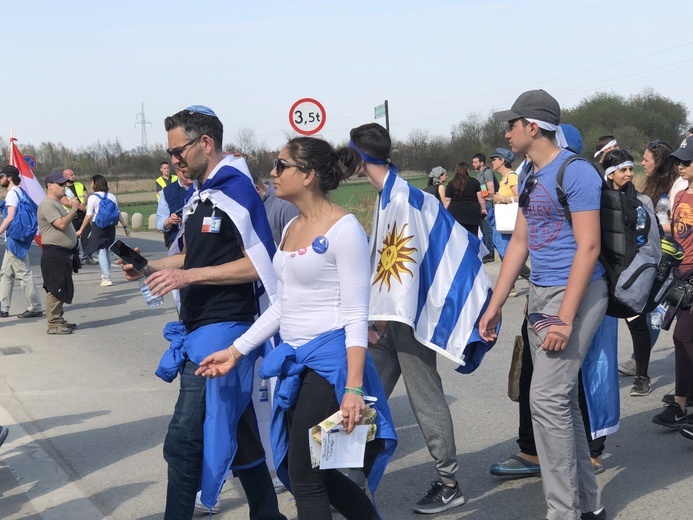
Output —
<point x="542" y="229"/>
<point x="683" y="221"/>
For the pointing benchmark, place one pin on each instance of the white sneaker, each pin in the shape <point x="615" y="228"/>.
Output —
<point x="201" y="508"/>
<point x="278" y="486"/>
<point x="105" y="282"/>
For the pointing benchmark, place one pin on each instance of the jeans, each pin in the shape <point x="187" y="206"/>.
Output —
<point x="313" y="488"/>
<point x="487" y="227"/>
<point x="105" y="263"/>
<point x="183" y="450"/>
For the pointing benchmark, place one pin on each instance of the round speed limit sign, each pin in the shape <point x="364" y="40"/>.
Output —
<point x="307" y="116"/>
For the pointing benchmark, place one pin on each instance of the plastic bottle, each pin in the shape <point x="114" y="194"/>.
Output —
<point x="658" y="315"/>
<point x="152" y="301"/>
<point x="663" y="208"/>
<point x="262" y="391"/>
<point x="640" y="224"/>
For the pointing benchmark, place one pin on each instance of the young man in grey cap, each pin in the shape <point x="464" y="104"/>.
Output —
<point x="16" y="264"/>
<point x="567" y="299"/>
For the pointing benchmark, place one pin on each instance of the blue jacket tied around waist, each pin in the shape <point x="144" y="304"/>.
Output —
<point x="326" y="355"/>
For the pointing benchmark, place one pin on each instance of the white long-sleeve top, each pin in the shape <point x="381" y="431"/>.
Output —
<point x="319" y="293"/>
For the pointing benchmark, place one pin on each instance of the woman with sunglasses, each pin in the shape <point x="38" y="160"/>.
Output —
<point x="662" y="176"/>
<point x="100" y="239"/>
<point x="618" y="171"/>
<point x="321" y="313"/>
<point x="674" y="414"/>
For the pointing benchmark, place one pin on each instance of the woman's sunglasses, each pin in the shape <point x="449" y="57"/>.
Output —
<point x="685" y="164"/>
<point x="280" y="165"/>
<point x="531" y="183"/>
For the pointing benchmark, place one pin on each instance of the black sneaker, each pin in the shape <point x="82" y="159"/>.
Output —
<point x="4" y="314"/>
<point x="669" y="398"/>
<point x="488" y="259"/>
<point x="687" y="431"/>
<point x="597" y="515"/>
<point x="671" y="417"/>
<point x="30" y="314"/>
<point x="439" y="498"/>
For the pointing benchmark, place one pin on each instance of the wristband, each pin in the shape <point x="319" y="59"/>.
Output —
<point x="377" y="332"/>
<point x="354" y="390"/>
<point x="234" y="355"/>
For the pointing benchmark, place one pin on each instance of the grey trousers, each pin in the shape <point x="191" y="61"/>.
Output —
<point x="19" y="268"/>
<point x="399" y="353"/>
<point x="570" y="487"/>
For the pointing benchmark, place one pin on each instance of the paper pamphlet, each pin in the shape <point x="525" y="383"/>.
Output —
<point x="331" y="447"/>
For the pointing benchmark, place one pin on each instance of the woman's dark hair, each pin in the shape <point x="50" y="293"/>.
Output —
<point x="665" y="172"/>
<point x="100" y="183"/>
<point x="461" y="178"/>
<point x="331" y="167"/>
<point x="616" y="157"/>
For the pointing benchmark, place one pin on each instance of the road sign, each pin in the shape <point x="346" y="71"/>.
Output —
<point x="30" y="161"/>
<point x="307" y="116"/>
<point x="379" y="111"/>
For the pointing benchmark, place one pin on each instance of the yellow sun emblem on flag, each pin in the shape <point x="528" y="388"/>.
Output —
<point x="393" y="256"/>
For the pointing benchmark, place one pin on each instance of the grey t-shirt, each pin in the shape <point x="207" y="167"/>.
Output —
<point x="50" y="210"/>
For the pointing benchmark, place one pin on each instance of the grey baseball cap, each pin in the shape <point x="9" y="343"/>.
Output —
<point x="685" y="151"/>
<point x="504" y="154"/>
<point x="533" y="104"/>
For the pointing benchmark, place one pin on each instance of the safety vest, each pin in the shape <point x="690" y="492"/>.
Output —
<point x="78" y="190"/>
<point x="161" y="184"/>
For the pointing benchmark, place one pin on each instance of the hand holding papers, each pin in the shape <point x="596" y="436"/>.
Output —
<point x="331" y="447"/>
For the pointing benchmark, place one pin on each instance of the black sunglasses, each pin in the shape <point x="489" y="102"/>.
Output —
<point x="280" y="165"/>
<point x="531" y="183"/>
<point x="685" y="164"/>
<point x="176" y="152"/>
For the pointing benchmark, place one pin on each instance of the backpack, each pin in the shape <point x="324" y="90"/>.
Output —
<point x="108" y="214"/>
<point x="631" y="250"/>
<point x="25" y="224"/>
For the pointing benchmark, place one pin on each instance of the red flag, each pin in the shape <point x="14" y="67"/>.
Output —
<point x="30" y="183"/>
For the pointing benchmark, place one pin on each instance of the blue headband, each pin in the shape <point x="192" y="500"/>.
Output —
<point x="201" y="109"/>
<point x="368" y="158"/>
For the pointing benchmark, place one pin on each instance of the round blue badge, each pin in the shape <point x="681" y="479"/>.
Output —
<point x="320" y="245"/>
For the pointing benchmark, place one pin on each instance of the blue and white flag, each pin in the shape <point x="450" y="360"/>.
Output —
<point x="428" y="273"/>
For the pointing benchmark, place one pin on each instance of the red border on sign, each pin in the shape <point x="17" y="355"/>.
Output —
<point x="299" y="130"/>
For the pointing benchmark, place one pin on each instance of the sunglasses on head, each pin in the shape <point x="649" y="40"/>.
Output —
<point x="531" y="183"/>
<point x="176" y="152"/>
<point x="280" y="165"/>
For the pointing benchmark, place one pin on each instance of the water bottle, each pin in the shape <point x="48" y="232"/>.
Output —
<point x="657" y="316"/>
<point x="663" y="208"/>
<point x="640" y="225"/>
<point x="262" y="391"/>
<point x="152" y="301"/>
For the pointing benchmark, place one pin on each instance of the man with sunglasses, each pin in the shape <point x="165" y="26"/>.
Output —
<point x="567" y="301"/>
<point x="227" y="249"/>
<point x="15" y="263"/>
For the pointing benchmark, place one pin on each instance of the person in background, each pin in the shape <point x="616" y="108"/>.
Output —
<point x="661" y="176"/>
<point x="489" y="186"/>
<point x="15" y="263"/>
<point x="674" y="415"/>
<point x="435" y="187"/>
<point x="605" y="144"/>
<point x="279" y="211"/>
<point x="101" y="238"/>
<point x="618" y="170"/>
<point x="76" y="189"/>
<point x="164" y="179"/>
<point x="60" y="255"/>
<point x="463" y="199"/>
<point x="169" y="210"/>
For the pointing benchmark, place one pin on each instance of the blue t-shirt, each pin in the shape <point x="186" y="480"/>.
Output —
<point x="550" y="236"/>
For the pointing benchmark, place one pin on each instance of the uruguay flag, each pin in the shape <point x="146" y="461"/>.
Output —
<point x="428" y="273"/>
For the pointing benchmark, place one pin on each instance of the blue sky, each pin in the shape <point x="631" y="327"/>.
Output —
<point x="77" y="72"/>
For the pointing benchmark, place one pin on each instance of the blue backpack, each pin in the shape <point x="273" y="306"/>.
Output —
<point x="25" y="224"/>
<point x="108" y="214"/>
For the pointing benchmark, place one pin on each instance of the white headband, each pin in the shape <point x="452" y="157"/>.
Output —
<point x="560" y="140"/>
<point x="607" y="145"/>
<point x="612" y="169"/>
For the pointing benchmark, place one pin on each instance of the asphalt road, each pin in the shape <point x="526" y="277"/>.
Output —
<point x="87" y="419"/>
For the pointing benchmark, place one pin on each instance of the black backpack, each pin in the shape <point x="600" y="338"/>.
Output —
<point x="631" y="251"/>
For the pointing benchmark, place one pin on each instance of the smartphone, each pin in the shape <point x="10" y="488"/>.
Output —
<point x="128" y="255"/>
<point x="179" y="212"/>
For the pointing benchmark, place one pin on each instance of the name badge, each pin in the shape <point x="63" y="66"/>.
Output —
<point x="211" y="224"/>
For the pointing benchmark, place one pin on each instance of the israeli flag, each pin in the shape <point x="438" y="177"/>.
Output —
<point x="427" y="273"/>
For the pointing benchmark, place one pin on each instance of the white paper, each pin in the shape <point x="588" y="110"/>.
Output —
<point x="342" y="450"/>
